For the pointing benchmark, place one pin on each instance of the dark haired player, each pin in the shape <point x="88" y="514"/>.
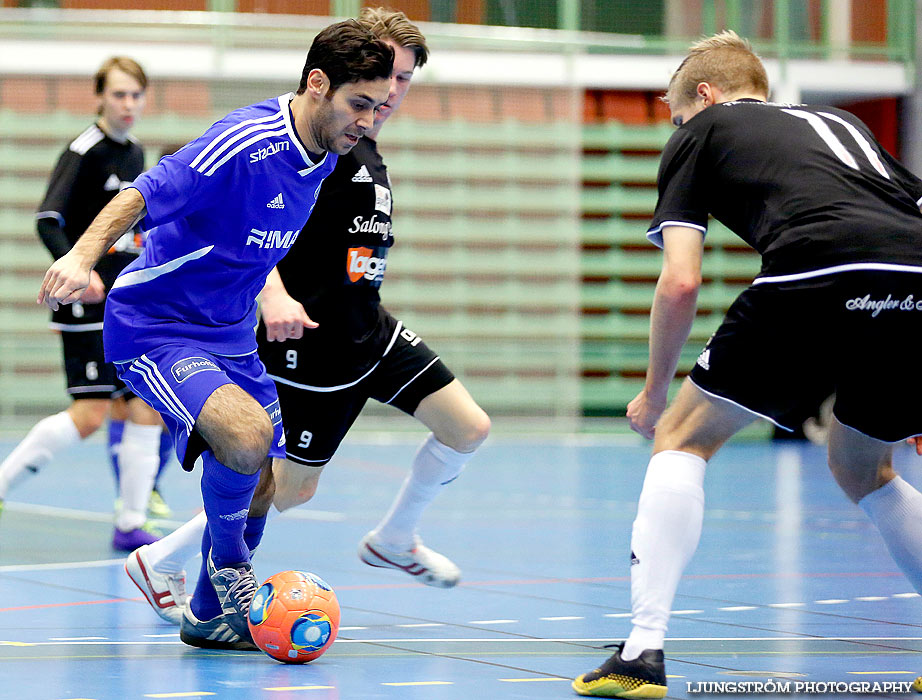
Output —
<point x="221" y="212"/>
<point x="354" y="350"/>
<point x="100" y="162"/>
<point x="835" y="308"/>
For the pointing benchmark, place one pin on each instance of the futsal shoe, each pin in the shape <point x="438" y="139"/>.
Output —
<point x="235" y="586"/>
<point x="156" y="507"/>
<point x="166" y="593"/>
<point x="643" y="677"/>
<point x="130" y="540"/>
<point x="426" y="565"/>
<point x="211" y="634"/>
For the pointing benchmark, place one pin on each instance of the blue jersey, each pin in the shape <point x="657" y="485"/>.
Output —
<point x="221" y="212"/>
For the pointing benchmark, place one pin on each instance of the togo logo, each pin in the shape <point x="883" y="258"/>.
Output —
<point x="188" y="366"/>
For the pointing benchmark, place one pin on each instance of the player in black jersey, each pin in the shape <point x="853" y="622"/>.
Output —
<point x="352" y="350"/>
<point x="94" y="168"/>
<point x="835" y="308"/>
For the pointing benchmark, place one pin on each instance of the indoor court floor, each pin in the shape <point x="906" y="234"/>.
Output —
<point x="790" y="582"/>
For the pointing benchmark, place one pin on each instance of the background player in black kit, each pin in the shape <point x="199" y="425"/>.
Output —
<point x="93" y="169"/>
<point x="353" y="350"/>
<point x="835" y="307"/>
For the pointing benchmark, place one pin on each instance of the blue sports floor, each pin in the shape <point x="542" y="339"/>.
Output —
<point x="790" y="582"/>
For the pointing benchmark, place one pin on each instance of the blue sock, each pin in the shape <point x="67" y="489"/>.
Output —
<point x="226" y="495"/>
<point x="253" y="533"/>
<point x="166" y="452"/>
<point x="116" y="428"/>
<point x="205" y="604"/>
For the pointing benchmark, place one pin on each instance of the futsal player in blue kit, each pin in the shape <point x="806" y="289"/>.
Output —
<point x="179" y="325"/>
<point x="351" y="350"/>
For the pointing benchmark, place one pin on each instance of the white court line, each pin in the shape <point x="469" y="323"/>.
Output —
<point x="503" y="640"/>
<point x="75" y="513"/>
<point x="96" y="517"/>
<point x="63" y="565"/>
<point x="491" y="622"/>
<point x="329" y="516"/>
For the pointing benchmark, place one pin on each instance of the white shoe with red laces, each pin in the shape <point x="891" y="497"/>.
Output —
<point x="166" y="593"/>
<point x="426" y="565"/>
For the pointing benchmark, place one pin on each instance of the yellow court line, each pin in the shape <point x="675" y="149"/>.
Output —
<point x="531" y="680"/>
<point x="193" y="694"/>
<point x="422" y="683"/>
<point x="15" y="644"/>
<point x="282" y="689"/>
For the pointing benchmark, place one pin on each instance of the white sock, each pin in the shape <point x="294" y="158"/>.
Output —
<point x="47" y="437"/>
<point x="139" y="457"/>
<point x="896" y="509"/>
<point x="434" y="466"/>
<point x="665" y="535"/>
<point x="169" y="554"/>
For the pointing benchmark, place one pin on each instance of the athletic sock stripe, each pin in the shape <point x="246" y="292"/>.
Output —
<point x="258" y="137"/>
<point x="217" y="140"/>
<point x="231" y="140"/>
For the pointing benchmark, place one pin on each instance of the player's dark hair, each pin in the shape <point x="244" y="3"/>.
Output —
<point x="124" y="64"/>
<point x="724" y="60"/>
<point x="347" y="52"/>
<point x="385" y="23"/>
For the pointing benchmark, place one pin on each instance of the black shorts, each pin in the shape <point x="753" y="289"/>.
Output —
<point x="317" y="418"/>
<point x="89" y="376"/>
<point x="783" y="348"/>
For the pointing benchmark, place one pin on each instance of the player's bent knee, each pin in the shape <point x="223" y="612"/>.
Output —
<point x="468" y="435"/>
<point x="292" y="497"/>
<point x="295" y="484"/>
<point x="246" y="451"/>
<point x="477" y="432"/>
<point x="89" y="415"/>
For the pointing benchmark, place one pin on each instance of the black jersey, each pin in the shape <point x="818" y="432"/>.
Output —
<point x="337" y="264"/>
<point x="92" y="170"/>
<point x="808" y="187"/>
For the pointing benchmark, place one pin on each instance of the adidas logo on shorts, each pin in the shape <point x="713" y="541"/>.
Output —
<point x="276" y="203"/>
<point x="704" y="359"/>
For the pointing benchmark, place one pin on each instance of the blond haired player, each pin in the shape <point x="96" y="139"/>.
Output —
<point x="835" y="308"/>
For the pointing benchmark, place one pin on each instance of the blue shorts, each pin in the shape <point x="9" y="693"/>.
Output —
<point x="177" y="380"/>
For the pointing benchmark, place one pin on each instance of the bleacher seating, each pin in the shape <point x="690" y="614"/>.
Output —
<point x="523" y="280"/>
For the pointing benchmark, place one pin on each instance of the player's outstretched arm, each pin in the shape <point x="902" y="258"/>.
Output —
<point x="674" y="305"/>
<point x="283" y="316"/>
<point x="69" y="276"/>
